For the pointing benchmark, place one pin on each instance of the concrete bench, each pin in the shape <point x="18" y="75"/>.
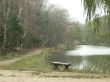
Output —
<point x="57" y="64"/>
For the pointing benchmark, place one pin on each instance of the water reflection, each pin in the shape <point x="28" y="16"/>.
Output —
<point x="83" y="63"/>
<point x="87" y="50"/>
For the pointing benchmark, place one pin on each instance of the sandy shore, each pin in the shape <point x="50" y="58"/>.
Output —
<point x="33" y="79"/>
<point x="27" y="76"/>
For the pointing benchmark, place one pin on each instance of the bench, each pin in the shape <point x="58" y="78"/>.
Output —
<point x="57" y="64"/>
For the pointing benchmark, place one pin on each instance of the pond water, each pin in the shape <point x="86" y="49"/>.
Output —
<point x="86" y="57"/>
<point x="89" y="50"/>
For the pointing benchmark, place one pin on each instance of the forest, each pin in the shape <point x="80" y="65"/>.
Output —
<point x="40" y="41"/>
<point x="27" y="24"/>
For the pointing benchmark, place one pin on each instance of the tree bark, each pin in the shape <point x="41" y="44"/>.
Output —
<point x="6" y="15"/>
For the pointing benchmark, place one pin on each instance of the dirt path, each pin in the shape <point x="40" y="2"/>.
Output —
<point x="7" y="62"/>
<point x="28" y="79"/>
<point x="28" y="76"/>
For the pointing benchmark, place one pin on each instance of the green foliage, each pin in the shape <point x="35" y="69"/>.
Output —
<point x="15" y="32"/>
<point x="98" y="36"/>
<point x="77" y="34"/>
<point x="77" y="31"/>
<point x="92" y="6"/>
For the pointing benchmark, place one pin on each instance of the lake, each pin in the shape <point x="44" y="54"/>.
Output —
<point x="86" y="57"/>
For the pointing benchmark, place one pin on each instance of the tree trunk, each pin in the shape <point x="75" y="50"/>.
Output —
<point x="6" y="14"/>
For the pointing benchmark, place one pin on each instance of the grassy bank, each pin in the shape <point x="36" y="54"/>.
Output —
<point x="37" y="63"/>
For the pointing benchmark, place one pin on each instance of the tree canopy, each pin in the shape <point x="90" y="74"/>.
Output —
<point x="95" y="8"/>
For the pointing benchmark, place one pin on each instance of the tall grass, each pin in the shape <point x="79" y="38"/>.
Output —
<point x="99" y="64"/>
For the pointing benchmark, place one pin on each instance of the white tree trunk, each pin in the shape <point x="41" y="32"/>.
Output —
<point x="6" y="15"/>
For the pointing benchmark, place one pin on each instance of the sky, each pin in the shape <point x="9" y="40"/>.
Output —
<point x="74" y="7"/>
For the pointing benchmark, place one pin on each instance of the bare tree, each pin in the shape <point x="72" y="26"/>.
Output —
<point x="6" y="16"/>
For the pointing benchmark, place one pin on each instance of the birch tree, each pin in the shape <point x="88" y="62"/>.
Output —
<point x="6" y="16"/>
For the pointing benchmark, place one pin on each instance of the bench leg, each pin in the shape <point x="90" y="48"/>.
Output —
<point x="66" y="67"/>
<point x="55" y="67"/>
